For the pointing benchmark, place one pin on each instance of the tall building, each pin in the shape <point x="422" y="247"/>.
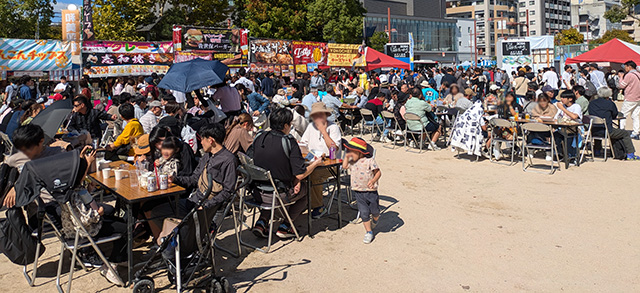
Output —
<point x="588" y="17"/>
<point x="546" y="17"/>
<point x="632" y="26"/>
<point x="494" y="19"/>
<point x="435" y="37"/>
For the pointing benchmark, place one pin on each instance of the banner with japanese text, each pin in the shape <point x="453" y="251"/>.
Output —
<point x="267" y="51"/>
<point x="87" y="21"/>
<point x="71" y="29"/>
<point x="309" y="52"/>
<point x="345" y="55"/>
<point x="230" y="46"/>
<point x="34" y="55"/>
<point x="147" y="57"/>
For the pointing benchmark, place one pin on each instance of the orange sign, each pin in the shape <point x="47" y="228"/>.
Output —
<point x="71" y="29"/>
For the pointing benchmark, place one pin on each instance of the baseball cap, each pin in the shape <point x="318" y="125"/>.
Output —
<point x="155" y="103"/>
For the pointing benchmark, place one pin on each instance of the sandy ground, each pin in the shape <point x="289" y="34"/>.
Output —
<point x="449" y="225"/>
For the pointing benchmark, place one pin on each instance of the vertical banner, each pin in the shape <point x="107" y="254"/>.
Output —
<point x="411" y="45"/>
<point x="87" y="21"/>
<point x="71" y="29"/>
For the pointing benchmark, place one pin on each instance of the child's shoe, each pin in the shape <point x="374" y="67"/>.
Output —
<point x="368" y="238"/>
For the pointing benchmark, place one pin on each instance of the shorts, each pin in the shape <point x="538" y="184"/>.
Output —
<point x="368" y="204"/>
<point x="431" y="127"/>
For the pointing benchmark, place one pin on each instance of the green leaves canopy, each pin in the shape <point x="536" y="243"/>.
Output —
<point x="20" y="19"/>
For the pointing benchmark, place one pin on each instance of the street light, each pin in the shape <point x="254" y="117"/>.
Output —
<point x="72" y="7"/>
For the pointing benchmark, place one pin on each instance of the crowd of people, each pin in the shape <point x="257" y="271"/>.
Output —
<point x="190" y="135"/>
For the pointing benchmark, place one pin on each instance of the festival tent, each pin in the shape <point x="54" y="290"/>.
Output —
<point x="614" y="51"/>
<point x="377" y="60"/>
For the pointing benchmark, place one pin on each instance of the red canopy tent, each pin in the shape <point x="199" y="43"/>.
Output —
<point x="614" y="51"/>
<point x="377" y="60"/>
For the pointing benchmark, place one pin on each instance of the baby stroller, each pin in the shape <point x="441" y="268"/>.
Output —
<point x="190" y="265"/>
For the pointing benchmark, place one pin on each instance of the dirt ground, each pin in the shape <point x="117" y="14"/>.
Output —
<point x="449" y="225"/>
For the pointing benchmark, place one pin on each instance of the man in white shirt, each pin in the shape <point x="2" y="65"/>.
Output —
<point x="597" y="76"/>
<point x="550" y="77"/>
<point x="320" y="137"/>
<point x="181" y="97"/>
<point x="150" y="119"/>
<point x="566" y="77"/>
<point x="62" y="85"/>
<point x="245" y="81"/>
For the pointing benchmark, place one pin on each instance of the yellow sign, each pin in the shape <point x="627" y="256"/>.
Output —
<point x="71" y="29"/>
<point x="301" y="68"/>
<point x="345" y="55"/>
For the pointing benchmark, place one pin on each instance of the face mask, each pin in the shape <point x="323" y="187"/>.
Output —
<point x="32" y="87"/>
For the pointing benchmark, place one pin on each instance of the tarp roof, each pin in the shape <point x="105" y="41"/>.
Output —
<point x="614" y="51"/>
<point x="377" y="60"/>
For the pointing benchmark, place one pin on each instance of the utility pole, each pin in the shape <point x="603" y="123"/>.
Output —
<point x="389" y="22"/>
<point x="527" y="24"/>
<point x="475" y="39"/>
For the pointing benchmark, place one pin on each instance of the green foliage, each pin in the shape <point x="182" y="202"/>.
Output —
<point x="613" y="34"/>
<point x="337" y="20"/>
<point x="117" y="20"/>
<point x="312" y="20"/>
<point x="569" y="37"/>
<point x="378" y="40"/>
<point x="210" y="13"/>
<point x="20" y="19"/>
<point x="617" y="13"/>
<point x="278" y="19"/>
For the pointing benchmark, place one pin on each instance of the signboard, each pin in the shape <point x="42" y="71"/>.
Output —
<point x="271" y="51"/>
<point x="126" y="58"/>
<point x="87" y="21"/>
<point x="398" y="50"/>
<point x="309" y="52"/>
<point x="230" y="46"/>
<point x="71" y="29"/>
<point x="186" y="56"/>
<point x="344" y="55"/>
<point x="522" y="48"/>
<point x="34" y="55"/>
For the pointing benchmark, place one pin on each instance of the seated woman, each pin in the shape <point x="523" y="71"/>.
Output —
<point x="121" y="146"/>
<point x="492" y="97"/>
<point x="544" y="108"/>
<point x="418" y="106"/>
<point x="509" y="108"/>
<point x="31" y="113"/>
<point x="452" y="98"/>
<point x="529" y="102"/>
<point x="280" y="98"/>
<point x="238" y="138"/>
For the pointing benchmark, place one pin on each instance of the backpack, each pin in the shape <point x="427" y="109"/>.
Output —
<point x="590" y="89"/>
<point x="16" y="241"/>
<point x="286" y="143"/>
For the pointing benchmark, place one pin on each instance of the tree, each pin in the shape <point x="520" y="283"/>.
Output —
<point x="617" y="13"/>
<point x="118" y="19"/>
<point x="569" y="37"/>
<point x="210" y="13"/>
<point x="20" y="18"/>
<point x="613" y="34"/>
<point x="336" y="20"/>
<point x="279" y="19"/>
<point x="378" y="40"/>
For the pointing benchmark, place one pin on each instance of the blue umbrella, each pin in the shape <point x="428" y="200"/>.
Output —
<point x="194" y="74"/>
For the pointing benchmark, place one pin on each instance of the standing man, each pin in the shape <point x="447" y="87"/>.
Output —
<point x="597" y="76"/>
<point x="550" y="78"/>
<point x="630" y="83"/>
<point x="316" y="79"/>
<point x="267" y="85"/>
<point x="498" y="77"/>
<point x="309" y="100"/>
<point x="62" y="86"/>
<point x="24" y="91"/>
<point x="229" y="98"/>
<point x="363" y="80"/>
<point x="11" y="91"/>
<point x="566" y="77"/>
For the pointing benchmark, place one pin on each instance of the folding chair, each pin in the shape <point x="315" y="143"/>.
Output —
<point x="367" y="116"/>
<point x="388" y="118"/>
<point x="31" y="280"/>
<point x="81" y="240"/>
<point x="527" y="128"/>
<point x="422" y="132"/>
<point x="241" y="183"/>
<point x="589" y="138"/>
<point x="8" y="144"/>
<point x="496" y="138"/>
<point x="265" y="183"/>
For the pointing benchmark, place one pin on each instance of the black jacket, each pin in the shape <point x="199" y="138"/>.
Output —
<point x="89" y="122"/>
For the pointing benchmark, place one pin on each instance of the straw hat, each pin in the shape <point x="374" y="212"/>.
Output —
<point x="141" y="145"/>
<point x="469" y="92"/>
<point x="319" y="107"/>
<point x="425" y="83"/>
<point x="358" y="145"/>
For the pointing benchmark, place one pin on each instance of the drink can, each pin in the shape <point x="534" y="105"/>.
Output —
<point x="164" y="181"/>
<point x="151" y="184"/>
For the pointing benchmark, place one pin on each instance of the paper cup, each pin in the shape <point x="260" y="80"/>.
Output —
<point x="106" y="173"/>
<point x="120" y="174"/>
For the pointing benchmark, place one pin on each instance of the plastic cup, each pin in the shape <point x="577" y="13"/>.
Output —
<point x="120" y="174"/>
<point x="133" y="178"/>
<point x="106" y="173"/>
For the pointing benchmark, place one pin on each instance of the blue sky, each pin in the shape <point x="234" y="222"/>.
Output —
<point x="63" y="5"/>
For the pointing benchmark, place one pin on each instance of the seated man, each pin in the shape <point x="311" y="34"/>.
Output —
<point x="150" y="119"/>
<point x="256" y="102"/>
<point x="320" y="136"/>
<point x="121" y="146"/>
<point x="218" y="162"/>
<point x="601" y="106"/>
<point x="376" y="106"/>
<point x="288" y="169"/>
<point x="86" y="118"/>
<point x="418" y="106"/>
<point x="465" y="103"/>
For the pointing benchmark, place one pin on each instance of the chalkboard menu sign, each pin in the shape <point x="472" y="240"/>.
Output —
<point x="516" y="48"/>
<point x="398" y="50"/>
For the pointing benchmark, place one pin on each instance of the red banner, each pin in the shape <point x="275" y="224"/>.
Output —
<point x="309" y="52"/>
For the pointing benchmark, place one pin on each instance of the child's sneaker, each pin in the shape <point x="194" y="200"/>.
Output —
<point x="368" y="238"/>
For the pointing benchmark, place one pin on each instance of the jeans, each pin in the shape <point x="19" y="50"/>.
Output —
<point x="631" y="109"/>
<point x="379" y="121"/>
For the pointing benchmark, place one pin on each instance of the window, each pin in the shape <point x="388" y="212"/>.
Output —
<point x="533" y="33"/>
<point x="532" y="22"/>
<point x="532" y="12"/>
<point x="522" y="14"/>
<point x="532" y="3"/>
<point x="523" y="4"/>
